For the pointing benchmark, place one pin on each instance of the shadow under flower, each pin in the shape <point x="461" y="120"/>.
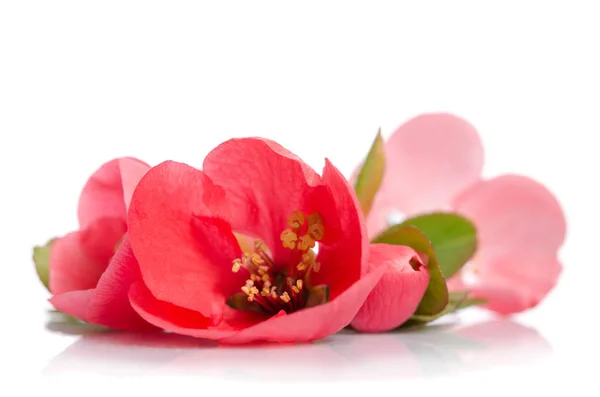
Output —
<point x="436" y="350"/>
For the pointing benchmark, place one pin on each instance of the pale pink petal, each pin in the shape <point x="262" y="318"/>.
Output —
<point x="514" y="215"/>
<point x="520" y="228"/>
<point x="429" y="160"/>
<point x="515" y="284"/>
<point x="456" y="283"/>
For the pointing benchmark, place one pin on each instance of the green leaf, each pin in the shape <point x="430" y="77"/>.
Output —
<point x="457" y="301"/>
<point x="370" y="175"/>
<point x="317" y="295"/>
<point x="41" y="258"/>
<point x="436" y="295"/>
<point x="453" y="238"/>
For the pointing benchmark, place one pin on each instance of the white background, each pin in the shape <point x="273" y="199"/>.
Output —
<point x="83" y="82"/>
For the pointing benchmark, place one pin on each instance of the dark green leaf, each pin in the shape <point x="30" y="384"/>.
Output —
<point x="41" y="258"/>
<point x="436" y="295"/>
<point x="370" y="175"/>
<point x="453" y="238"/>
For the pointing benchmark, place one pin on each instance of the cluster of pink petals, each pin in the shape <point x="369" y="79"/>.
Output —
<point x="173" y="247"/>
<point x="434" y="162"/>
<point x="86" y="265"/>
<point x="156" y="245"/>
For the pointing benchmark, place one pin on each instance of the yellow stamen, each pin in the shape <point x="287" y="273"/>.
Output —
<point x="262" y="270"/>
<point x="289" y="238"/>
<point x="306" y="242"/>
<point x="314" y="219"/>
<point x="254" y="290"/>
<point x="316" y="231"/>
<point x="285" y="297"/>
<point x="249" y="283"/>
<point x="295" y="289"/>
<point x="257" y="260"/>
<point x="258" y="245"/>
<point x="296" y="220"/>
<point x="299" y="284"/>
<point x="301" y="266"/>
<point x="246" y="290"/>
<point x="266" y="278"/>
<point x="267" y="284"/>
<point x="250" y="298"/>
<point x="307" y="258"/>
<point x="237" y="264"/>
<point x="254" y="277"/>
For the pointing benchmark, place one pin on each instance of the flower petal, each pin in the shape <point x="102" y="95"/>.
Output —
<point x="265" y="184"/>
<point x="315" y="323"/>
<point x="343" y="258"/>
<point x="132" y="171"/>
<point x="184" y="321"/>
<point x="429" y="159"/>
<point x="520" y="227"/>
<point x="108" y="191"/>
<point x="509" y="289"/>
<point x="108" y="303"/>
<point x="78" y="259"/>
<point x="514" y="215"/>
<point x="185" y="254"/>
<point x="397" y="295"/>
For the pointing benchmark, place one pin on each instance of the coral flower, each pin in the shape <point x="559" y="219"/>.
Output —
<point x="434" y="162"/>
<point x="86" y="265"/>
<point x="298" y="280"/>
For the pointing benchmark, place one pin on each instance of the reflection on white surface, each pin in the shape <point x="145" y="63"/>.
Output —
<point x="435" y="351"/>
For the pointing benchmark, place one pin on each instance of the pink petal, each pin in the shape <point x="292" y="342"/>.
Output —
<point x="314" y="323"/>
<point x="108" y="303"/>
<point x="78" y="259"/>
<point x="514" y="285"/>
<point x="108" y="191"/>
<point x="429" y="160"/>
<point x="514" y="215"/>
<point x="520" y="227"/>
<point x="265" y="184"/>
<point x="397" y="295"/>
<point x="184" y="253"/>
<point x="184" y="321"/>
<point x="132" y="170"/>
<point x="344" y="256"/>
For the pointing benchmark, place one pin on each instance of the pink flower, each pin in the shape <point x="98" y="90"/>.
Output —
<point x="189" y="230"/>
<point x="91" y="269"/>
<point x="434" y="162"/>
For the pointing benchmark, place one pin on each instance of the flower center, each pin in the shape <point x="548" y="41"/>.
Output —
<point x="273" y="287"/>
